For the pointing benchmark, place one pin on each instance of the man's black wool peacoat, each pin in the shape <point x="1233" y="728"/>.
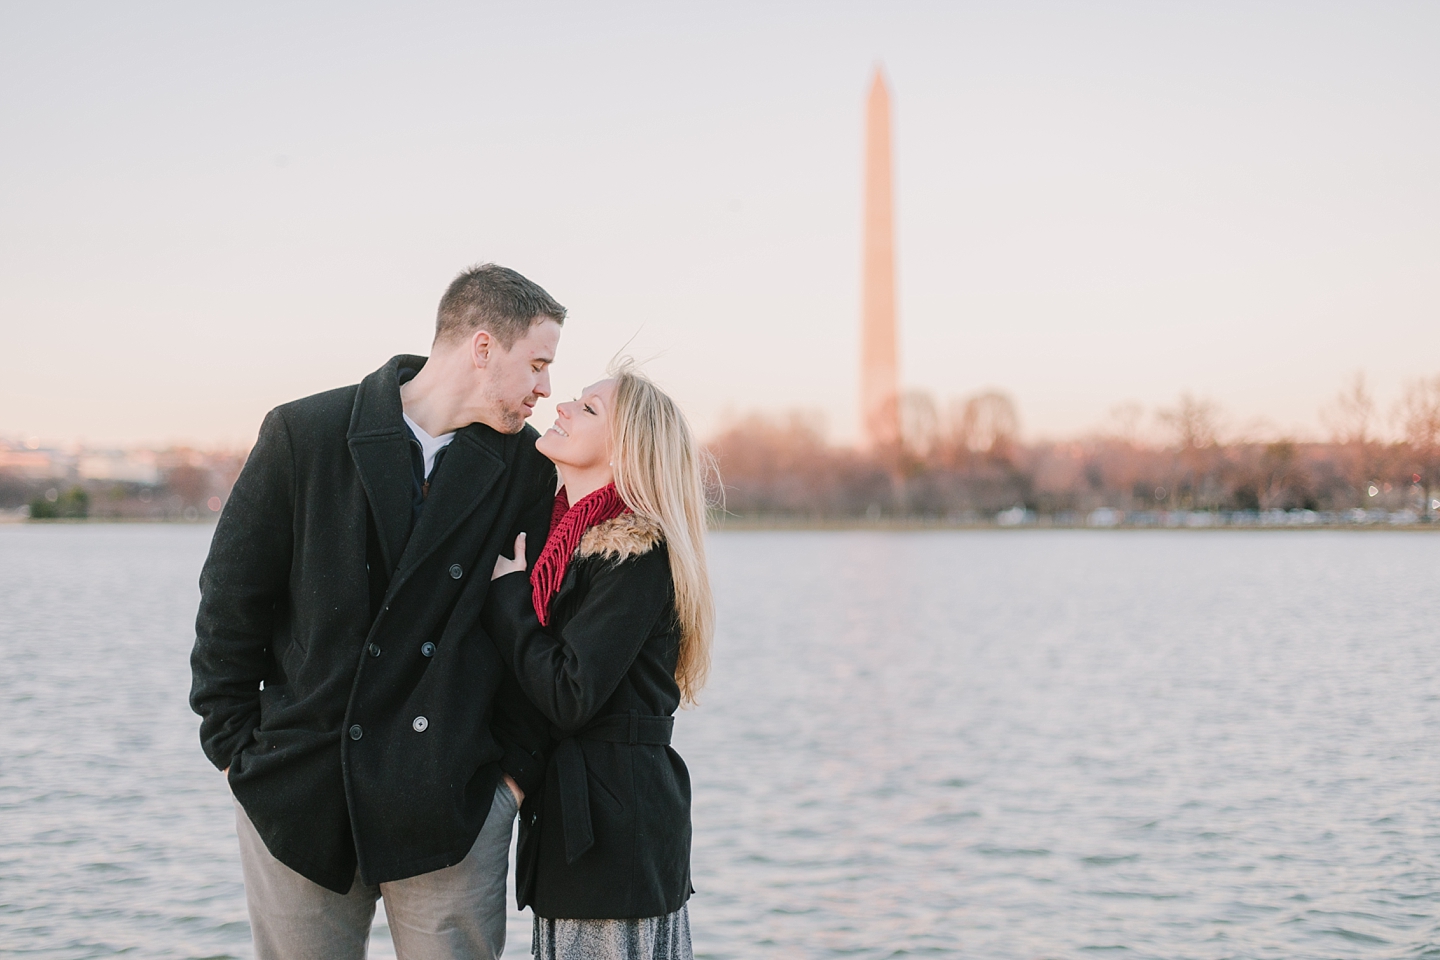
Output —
<point x="609" y="837"/>
<point x="339" y="667"/>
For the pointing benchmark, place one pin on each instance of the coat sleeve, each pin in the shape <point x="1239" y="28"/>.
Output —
<point x="570" y="674"/>
<point x="519" y="728"/>
<point x="243" y="588"/>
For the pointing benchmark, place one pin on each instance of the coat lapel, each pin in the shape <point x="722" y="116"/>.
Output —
<point x="474" y="462"/>
<point x="567" y="585"/>
<point x="381" y="451"/>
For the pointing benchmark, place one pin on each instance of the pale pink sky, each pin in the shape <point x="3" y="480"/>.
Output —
<point x="208" y="210"/>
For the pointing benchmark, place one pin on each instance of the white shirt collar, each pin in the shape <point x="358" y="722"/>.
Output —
<point x="429" y="446"/>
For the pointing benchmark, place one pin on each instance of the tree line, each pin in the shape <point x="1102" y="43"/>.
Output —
<point x="965" y="462"/>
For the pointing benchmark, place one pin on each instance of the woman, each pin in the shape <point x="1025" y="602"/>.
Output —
<point x="608" y="635"/>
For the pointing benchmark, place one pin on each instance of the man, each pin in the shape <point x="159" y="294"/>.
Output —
<point x="342" y="679"/>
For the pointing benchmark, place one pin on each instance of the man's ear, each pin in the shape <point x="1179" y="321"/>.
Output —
<point x="481" y="344"/>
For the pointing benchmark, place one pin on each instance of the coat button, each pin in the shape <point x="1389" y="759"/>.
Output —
<point x="455" y="571"/>
<point x="427" y="649"/>
<point x="374" y="649"/>
<point x="356" y="733"/>
<point x="420" y="724"/>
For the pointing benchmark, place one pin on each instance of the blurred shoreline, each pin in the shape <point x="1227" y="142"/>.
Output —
<point x="965" y="464"/>
<point x="782" y="473"/>
<point x="77" y="482"/>
<point x="1186" y="522"/>
<point x="1194" y="522"/>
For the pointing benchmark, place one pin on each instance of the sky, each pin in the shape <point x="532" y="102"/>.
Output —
<point x="207" y="210"/>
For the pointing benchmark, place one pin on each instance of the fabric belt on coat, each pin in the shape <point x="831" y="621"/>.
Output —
<point x="575" y="780"/>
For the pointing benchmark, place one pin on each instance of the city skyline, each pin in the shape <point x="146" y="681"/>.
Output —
<point x="208" y="214"/>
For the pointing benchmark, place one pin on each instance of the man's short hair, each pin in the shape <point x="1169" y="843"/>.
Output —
<point x="493" y="298"/>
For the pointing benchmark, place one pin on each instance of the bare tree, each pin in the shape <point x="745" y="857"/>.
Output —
<point x="1125" y="422"/>
<point x="1195" y="422"/>
<point x="919" y="424"/>
<point x="989" y="424"/>
<point x="1419" y="415"/>
<point x="1351" y="418"/>
<point x="1281" y="481"/>
<point x="1352" y="421"/>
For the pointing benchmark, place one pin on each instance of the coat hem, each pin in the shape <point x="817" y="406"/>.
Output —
<point x="306" y="869"/>
<point x="606" y="914"/>
<point x="415" y="868"/>
<point x="405" y="869"/>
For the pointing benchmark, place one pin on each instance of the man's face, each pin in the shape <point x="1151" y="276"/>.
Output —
<point x="518" y="377"/>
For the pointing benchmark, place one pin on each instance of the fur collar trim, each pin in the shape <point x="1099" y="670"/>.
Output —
<point x="628" y="535"/>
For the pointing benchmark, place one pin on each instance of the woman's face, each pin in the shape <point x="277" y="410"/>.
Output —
<point x="580" y="437"/>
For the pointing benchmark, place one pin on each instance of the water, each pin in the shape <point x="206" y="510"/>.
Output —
<point x="971" y="744"/>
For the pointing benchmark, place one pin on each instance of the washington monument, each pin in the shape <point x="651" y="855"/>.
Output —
<point x="879" y="378"/>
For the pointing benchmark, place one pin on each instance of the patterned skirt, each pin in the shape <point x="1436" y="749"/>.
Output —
<point x="652" y="938"/>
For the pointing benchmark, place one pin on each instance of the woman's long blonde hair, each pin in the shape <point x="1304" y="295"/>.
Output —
<point x="660" y="473"/>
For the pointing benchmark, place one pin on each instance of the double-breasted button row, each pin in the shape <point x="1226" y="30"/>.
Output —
<point x="456" y="572"/>
<point x="427" y="649"/>
<point x="419" y="724"/>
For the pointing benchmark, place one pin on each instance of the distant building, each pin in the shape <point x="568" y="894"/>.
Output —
<point x="124" y="466"/>
<point x="31" y="464"/>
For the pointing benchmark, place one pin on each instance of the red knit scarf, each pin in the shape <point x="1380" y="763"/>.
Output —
<point x="567" y="525"/>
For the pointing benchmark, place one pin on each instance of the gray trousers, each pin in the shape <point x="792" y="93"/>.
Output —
<point x="457" y="913"/>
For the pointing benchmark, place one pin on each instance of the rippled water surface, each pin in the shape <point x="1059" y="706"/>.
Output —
<point x="1012" y="744"/>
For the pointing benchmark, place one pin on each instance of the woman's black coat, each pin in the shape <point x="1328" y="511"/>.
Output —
<point x="609" y="838"/>
<point x="311" y="675"/>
